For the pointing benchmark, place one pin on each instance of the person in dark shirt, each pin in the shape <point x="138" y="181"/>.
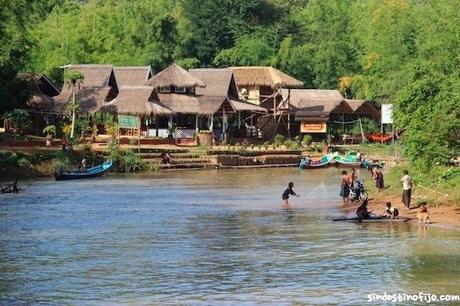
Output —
<point x="362" y="211"/>
<point x="287" y="193"/>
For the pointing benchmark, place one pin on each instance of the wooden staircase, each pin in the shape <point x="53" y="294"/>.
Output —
<point x="180" y="159"/>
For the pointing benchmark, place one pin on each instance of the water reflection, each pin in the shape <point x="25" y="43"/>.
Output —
<point x="209" y="237"/>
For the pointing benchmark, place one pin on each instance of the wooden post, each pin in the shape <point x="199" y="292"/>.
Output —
<point x="157" y="125"/>
<point x="139" y="124"/>
<point x="224" y="126"/>
<point x="289" y="124"/>
<point x="211" y="126"/>
<point x="239" y="120"/>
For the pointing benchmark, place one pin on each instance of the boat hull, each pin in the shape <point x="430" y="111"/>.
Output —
<point x="372" y="219"/>
<point x="89" y="173"/>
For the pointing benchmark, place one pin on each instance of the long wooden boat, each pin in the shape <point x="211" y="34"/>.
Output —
<point x="320" y="163"/>
<point x="88" y="173"/>
<point x="346" y="161"/>
<point x="378" y="137"/>
<point x="373" y="219"/>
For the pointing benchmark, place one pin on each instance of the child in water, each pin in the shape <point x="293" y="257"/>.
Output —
<point x="288" y="192"/>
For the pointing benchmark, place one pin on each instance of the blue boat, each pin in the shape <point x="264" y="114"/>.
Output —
<point x="87" y="173"/>
<point x="321" y="163"/>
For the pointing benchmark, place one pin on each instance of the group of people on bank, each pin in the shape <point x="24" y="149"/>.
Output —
<point x="348" y="180"/>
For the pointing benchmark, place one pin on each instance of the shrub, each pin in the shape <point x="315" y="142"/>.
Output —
<point x="279" y="140"/>
<point x="50" y="129"/>
<point x="307" y="139"/>
<point x="24" y="162"/>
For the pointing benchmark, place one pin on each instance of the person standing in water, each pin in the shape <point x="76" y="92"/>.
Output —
<point x="287" y="193"/>
<point x="344" y="187"/>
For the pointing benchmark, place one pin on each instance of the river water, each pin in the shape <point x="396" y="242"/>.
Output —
<point x="210" y="237"/>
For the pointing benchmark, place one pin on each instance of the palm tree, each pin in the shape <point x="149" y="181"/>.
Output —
<point x="74" y="81"/>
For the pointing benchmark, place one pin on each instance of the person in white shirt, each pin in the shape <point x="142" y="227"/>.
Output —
<point x="407" y="188"/>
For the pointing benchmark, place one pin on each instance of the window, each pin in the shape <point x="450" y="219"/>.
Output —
<point x="180" y="89"/>
<point x="165" y="89"/>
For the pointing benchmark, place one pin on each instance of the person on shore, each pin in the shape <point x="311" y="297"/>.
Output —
<point x="391" y="212"/>
<point x="48" y="139"/>
<point x="362" y="211"/>
<point x="422" y="215"/>
<point x="344" y="187"/>
<point x="358" y="156"/>
<point x="166" y="158"/>
<point x="289" y="191"/>
<point x="407" y="189"/>
<point x="83" y="163"/>
<point x="377" y="175"/>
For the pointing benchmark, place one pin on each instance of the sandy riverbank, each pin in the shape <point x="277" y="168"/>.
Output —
<point x="442" y="216"/>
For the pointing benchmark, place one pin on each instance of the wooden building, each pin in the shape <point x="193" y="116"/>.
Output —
<point x="99" y="86"/>
<point x="259" y="85"/>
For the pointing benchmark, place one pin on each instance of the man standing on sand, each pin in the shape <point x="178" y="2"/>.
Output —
<point x="407" y="188"/>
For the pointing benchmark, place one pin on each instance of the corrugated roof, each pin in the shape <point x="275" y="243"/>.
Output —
<point x="364" y="108"/>
<point x="316" y="100"/>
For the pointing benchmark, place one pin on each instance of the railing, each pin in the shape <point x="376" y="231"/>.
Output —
<point x="184" y="133"/>
<point x="162" y="133"/>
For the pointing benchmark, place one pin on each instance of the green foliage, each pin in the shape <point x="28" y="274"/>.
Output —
<point x="18" y="120"/>
<point x="279" y="140"/>
<point x="248" y="51"/>
<point x="307" y="139"/>
<point x="50" y="129"/>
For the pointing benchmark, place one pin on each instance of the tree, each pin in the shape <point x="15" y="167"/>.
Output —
<point x="18" y="120"/>
<point x="74" y="80"/>
<point x="248" y="51"/>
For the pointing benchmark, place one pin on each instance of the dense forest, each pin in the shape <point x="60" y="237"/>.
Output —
<point x="396" y="51"/>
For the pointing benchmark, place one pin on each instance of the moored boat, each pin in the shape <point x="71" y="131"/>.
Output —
<point x="87" y="173"/>
<point x="347" y="161"/>
<point x="320" y="163"/>
<point x="373" y="219"/>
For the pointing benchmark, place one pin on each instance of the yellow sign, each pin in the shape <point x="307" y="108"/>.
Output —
<point x="313" y="127"/>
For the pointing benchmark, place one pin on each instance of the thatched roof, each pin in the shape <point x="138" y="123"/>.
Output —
<point x="264" y="76"/>
<point x="363" y="108"/>
<point x="138" y="100"/>
<point x="244" y="106"/>
<point x="132" y="75"/>
<point x="219" y="82"/>
<point x="42" y="90"/>
<point x="176" y="76"/>
<point x="190" y="104"/>
<point x="90" y="99"/>
<point x="99" y="86"/>
<point x="95" y="75"/>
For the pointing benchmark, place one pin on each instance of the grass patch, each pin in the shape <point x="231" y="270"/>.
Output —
<point x="442" y="179"/>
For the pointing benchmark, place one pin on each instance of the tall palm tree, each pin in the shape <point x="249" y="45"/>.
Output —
<point x="74" y="81"/>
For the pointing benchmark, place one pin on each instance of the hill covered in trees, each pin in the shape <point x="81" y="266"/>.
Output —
<point x="394" y="51"/>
